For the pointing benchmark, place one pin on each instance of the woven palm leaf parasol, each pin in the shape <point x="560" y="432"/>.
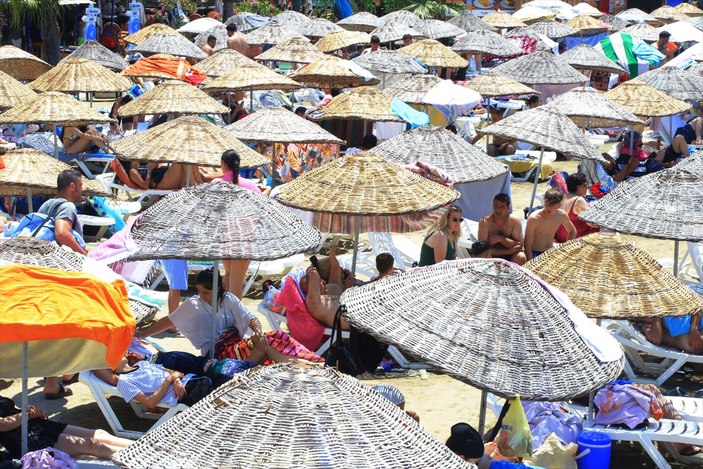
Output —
<point x="501" y="19"/>
<point x="665" y="204"/>
<point x="469" y="22"/>
<point x="362" y="21"/>
<point x="339" y="39"/>
<point x="674" y="82"/>
<point x="587" y="25"/>
<point x="488" y="323"/>
<point x="364" y="184"/>
<point x="150" y="31"/>
<point x="697" y="22"/>
<point x="440" y="148"/>
<point x="645" y="100"/>
<point x="188" y="139"/>
<point x="552" y="29"/>
<point x="635" y="15"/>
<point x="172" y="97"/>
<point x="251" y="78"/>
<point x="221" y="36"/>
<point x="330" y="420"/>
<point x="413" y="89"/>
<point x="486" y="42"/>
<point x="529" y="14"/>
<point x="35" y="251"/>
<point x="297" y="50"/>
<point x="405" y="17"/>
<point x="223" y="62"/>
<point x="584" y="8"/>
<point x="633" y="286"/>
<point x="492" y="84"/>
<point x="696" y="70"/>
<point x="277" y="124"/>
<point x="642" y="31"/>
<point x="668" y="13"/>
<point x="96" y="52"/>
<point x="53" y="107"/>
<point x="292" y="19"/>
<point x="688" y="9"/>
<point x="171" y="44"/>
<point x="272" y="33"/>
<point x="615" y="23"/>
<point x="589" y="108"/>
<point x="32" y="171"/>
<point x="434" y="54"/>
<point x="241" y="21"/>
<point x="515" y="36"/>
<point x="392" y="31"/>
<point x="548" y="128"/>
<point x="81" y="75"/>
<point x="363" y="102"/>
<point x="333" y="72"/>
<point x="21" y="65"/>
<point x="436" y="29"/>
<point x="13" y="93"/>
<point x="318" y="27"/>
<point x="541" y="68"/>
<point x="220" y="221"/>
<point x="387" y="61"/>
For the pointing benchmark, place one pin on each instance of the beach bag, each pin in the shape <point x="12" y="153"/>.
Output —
<point x="38" y="225"/>
<point x="340" y="355"/>
<point x="514" y="437"/>
<point x="361" y="354"/>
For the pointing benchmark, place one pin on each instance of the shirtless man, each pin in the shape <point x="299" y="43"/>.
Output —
<point x="236" y="40"/>
<point x="687" y="336"/>
<point x="503" y="231"/>
<point x="543" y="224"/>
<point x="209" y="46"/>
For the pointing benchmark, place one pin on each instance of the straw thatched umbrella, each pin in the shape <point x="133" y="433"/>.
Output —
<point x="642" y="31"/>
<point x="93" y="50"/>
<point x="189" y="140"/>
<point x="615" y="23"/>
<point x="546" y="128"/>
<point x="635" y="15"/>
<point x="250" y="78"/>
<point x="13" y="93"/>
<point x="552" y="29"/>
<point x="333" y="72"/>
<point x="340" y="39"/>
<point x="697" y="22"/>
<point x="633" y="286"/>
<point x="434" y="54"/>
<point x="388" y="61"/>
<point x="392" y="31"/>
<point x="273" y="34"/>
<point x="674" y="82"/>
<point x="667" y="13"/>
<point x="405" y="17"/>
<point x="541" y="68"/>
<point x="241" y="21"/>
<point x="490" y="324"/>
<point x="172" y="97"/>
<point x="170" y="44"/>
<point x="297" y="50"/>
<point x="502" y="20"/>
<point x="279" y="125"/>
<point x="589" y="108"/>
<point x="645" y="100"/>
<point x="469" y="22"/>
<point x="485" y="42"/>
<point x="318" y="27"/>
<point x="413" y="89"/>
<point x="363" y="102"/>
<point x="492" y="84"/>
<point x="362" y="21"/>
<point x="587" y="25"/>
<point x="223" y="62"/>
<point x="292" y="19"/>
<point x="688" y="9"/>
<point x="530" y="14"/>
<point x="438" y="147"/>
<point x="150" y="31"/>
<point x="81" y="75"/>
<point x="696" y="70"/>
<point x="436" y="29"/>
<point x="21" y="65"/>
<point x="29" y="172"/>
<point x="272" y="416"/>
<point x="221" y="36"/>
<point x="515" y="36"/>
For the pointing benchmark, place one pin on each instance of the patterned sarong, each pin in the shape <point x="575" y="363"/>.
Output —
<point x="230" y="345"/>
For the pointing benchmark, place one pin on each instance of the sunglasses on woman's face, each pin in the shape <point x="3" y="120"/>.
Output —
<point x="457" y="220"/>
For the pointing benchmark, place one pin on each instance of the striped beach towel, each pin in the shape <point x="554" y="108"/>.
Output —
<point x="619" y="48"/>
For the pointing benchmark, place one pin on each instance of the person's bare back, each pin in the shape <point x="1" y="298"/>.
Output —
<point x="543" y="224"/>
<point x="238" y="42"/>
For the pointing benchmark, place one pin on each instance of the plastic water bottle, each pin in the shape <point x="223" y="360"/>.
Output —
<point x="90" y="30"/>
<point x="135" y="9"/>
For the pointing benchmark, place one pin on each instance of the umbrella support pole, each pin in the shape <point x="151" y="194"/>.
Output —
<point x="213" y="322"/>
<point x="357" y="222"/>
<point x="189" y="174"/>
<point x="632" y="136"/>
<point x="56" y="147"/>
<point x="538" y="172"/>
<point x="25" y="397"/>
<point x="30" y="205"/>
<point x="251" y="100"/>
<point x="482" y="413"/>
<point x="676" y="258"/>
<point x="590" y="414"/>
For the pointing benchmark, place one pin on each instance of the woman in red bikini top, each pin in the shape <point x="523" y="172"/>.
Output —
<point x="573" y="204"/>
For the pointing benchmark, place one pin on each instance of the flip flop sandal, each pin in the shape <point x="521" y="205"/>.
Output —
<point x="72" y="380"/>
<point x="63" y="392"/>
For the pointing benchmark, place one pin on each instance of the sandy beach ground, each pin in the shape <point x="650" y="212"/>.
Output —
<point x="439" y="400"/>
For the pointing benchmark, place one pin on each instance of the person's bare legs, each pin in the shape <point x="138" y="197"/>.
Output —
<point x="519" y="258"/>
<point x="654" y="331"/>
<point x="235" y="273"/>
<point x="173" y="179"/>
<point x="78" y="441"/>
<point x="51" y="385"/>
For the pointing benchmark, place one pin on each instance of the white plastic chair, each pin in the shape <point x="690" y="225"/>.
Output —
<point x="108" y="182"/>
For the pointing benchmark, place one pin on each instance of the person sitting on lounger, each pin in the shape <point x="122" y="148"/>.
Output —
<point x="543" y="224"/>
<point x="684" y="333"/>
<point x="384" y="265"/>
<point x="44" y="433"/>
<point x="503" y="231"/>
<point x="83" y="139"/>
<point x="440" y="243"/>
<point x="168" y="177"/>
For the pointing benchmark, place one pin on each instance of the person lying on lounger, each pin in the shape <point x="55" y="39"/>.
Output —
<point x="83" y="139"/>
<point x="166" y="177"/>
<point x="683" y="333"/>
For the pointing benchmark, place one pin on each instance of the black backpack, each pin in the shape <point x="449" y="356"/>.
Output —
<point x="361" y="354"/>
